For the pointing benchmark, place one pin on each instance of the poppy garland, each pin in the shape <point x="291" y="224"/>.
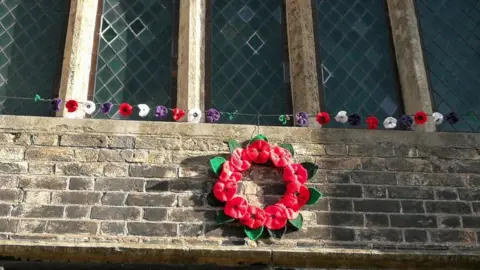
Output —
<point x="274" y="219"/>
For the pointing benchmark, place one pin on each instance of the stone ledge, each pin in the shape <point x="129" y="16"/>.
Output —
<point x="228" y="256"/>
<point x="30" y="124"/>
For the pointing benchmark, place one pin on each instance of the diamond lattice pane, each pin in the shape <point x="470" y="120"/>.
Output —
<point x="451" y="39"/>
<point x="247" y="60"/>
<point x="32" y="40"/>
<point x="358" y="66"/>
<point x="134" y="63"/>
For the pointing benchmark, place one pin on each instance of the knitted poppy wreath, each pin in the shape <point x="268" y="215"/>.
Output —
<point x="276" y="218"/>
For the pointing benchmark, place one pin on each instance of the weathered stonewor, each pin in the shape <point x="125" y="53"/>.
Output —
<point x="136" y="191"/>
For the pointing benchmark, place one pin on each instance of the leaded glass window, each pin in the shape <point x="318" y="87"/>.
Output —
<point x="358" y="68"/>
<point x="32" y="41"/>
<point x="248" y="63"/>
<point x="137" y="54"/>
<point x="451" y="39"/>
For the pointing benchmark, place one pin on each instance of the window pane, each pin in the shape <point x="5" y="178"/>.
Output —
<point x="32" y="40"/>
<point x="248" y="59"/>
<point x="451" y="39"/>
<point x="134" y="63"/>
<point x="358" y="64"/>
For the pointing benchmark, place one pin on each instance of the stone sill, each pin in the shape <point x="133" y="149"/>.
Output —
<point x="229" y="256"/>
<point x="19" y="124"/>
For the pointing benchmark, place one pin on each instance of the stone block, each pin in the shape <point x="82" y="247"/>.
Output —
<point x="114" y="198"/>
<point x="121" y="142"/>
<point x="366" y="150"/>
<point x="5" y="209"/>
<point x="190" y="215"/>
<point x="115" y="170"/>
<point x="84" y="140"/>
<point x="119" y="184"/>
<point x="134" y="156"/>
<point x="41" y="168"/>
<point x="13" y="167"/>
<point x="340" y="219"/>
<point x="451" y="222"/>
<point x="157" y="142"/>
<point x="154" y="200"/>
<point x="374" y="192"/>
<point x="155" y="214"/>
<point x="50" y="154"/>
<point x="445" y="207"/>
<point x="453" y="236"/>
<point x="336" y="149"/>
<point x="339" y="163"/>
<point x="152" y="171"/>
<point x="376" y="220"/>
<point x="115" y="213"/>
<point x="80" y="183"/>
<point x="108" y="155"/>
<point x="113" y="228"/>
<point x="342" y="205"/>
<point x="413" y="221"/>
<point x="190" y="230"/>
<point x="86" y="155"/>
<point x="76" y="197"/>
<point x="43" y="182"/>
<point x="37" y="197"/>
<point x="11" y="195"/>
<point x="71" y="227"/>
<point x="414" y="207"/>
<point x="8" y="181"/>
<point x="12" y="153"/>
<point x="410" y="193"/>
<point x="379" y="235"/>
<point x="408" y="165"/>
<point x="373" y="164"/>
<point x="418" y="236"/>
<point x="45" y="139"/>
<point x="31" y="226"/>
<point x="77" y="212"/>
<point x="152" y="229"/>
<point x="79" y="169"/>
<point x="8" y="225"/>
<point x="38" y="211"/>
<point x="377" y="206"/>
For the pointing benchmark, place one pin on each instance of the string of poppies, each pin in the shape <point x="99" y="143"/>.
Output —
<point x="213" y="115"/>
<point x="276" y="218"/>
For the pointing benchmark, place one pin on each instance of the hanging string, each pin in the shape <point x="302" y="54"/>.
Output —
<point x="213" y="115"/>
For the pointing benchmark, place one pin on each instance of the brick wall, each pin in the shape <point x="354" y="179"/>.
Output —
<point x="91" y="181"/>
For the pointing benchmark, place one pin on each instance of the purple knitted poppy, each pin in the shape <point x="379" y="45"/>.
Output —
<point x="161" y="112"/>
<point x="213" y="115"/>
<point x="407" y="121"/>
<point x="55" y="104"/>
<point x="354" y="119"/>
<point x="301" y="118"/>
<point x="452" y="118"/>
<point x="106" y="107"/>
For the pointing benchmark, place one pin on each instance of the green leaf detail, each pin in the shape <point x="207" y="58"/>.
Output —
<point x="221" y="218"/>
<point x="311" y="169"/>
<point x="232" y="145"/>
<point x="216" y="164"/>
<point x="37" y="98"/>
<point x="315" y="196"/>
<point x="259" y="137"/>
<point x="253" y="234"/>
<point x="298" y="222"/>
<point x="213" y="201"/>
<point x="289" y="147"/>
<point x="277" y="234"/>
